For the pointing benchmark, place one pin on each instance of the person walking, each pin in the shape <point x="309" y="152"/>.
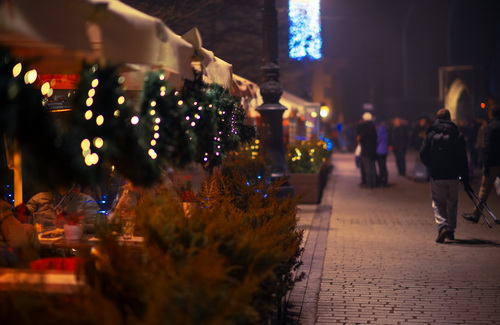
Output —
<point x="366" y="136"/>
<point x="382" y="150"/>
<point x="443" y="152"/>
<point x="491" y="169"/>
<point x="399" y="141"/>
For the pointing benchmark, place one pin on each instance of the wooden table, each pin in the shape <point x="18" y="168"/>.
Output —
<point x="59" y="246"/>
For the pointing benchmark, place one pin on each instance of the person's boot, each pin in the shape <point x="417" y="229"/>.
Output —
<point x="443" y="233"/>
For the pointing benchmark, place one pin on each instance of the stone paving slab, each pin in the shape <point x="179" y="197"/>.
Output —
<point x="381" y="264"/>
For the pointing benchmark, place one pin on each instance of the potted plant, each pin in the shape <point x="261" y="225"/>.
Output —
<point x="308" y="166"/>
<point x="70" y="222"/>
<point x="186" y="196"/>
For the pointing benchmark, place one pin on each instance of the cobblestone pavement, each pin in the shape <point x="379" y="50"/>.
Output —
<point x="371" y="257"/>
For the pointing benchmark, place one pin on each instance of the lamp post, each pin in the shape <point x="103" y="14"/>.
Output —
<point x="271" y="111"/>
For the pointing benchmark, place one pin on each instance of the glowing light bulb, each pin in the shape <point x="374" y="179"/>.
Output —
<point x="30" y="76"/>
<point x="134" y="120"/>
<point x="88" y="160"/>
<point x="99" y="120"/>
<point x="152" y="153"/>
<point x="91" y="92"/>
<point x="17" y="70"/>
<point x="85" y="144"/>
<point x="95" y="158"/>
<point x="98" y="142"/>
<point x="45" y="88"/>
<point x="89" y="102"/>
<point x="95" y="83"/>
<point x="88" y="114"/>
<point x="121" y="100"/>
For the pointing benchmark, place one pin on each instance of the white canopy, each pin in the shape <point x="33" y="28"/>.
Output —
<point x="214" y="69"/>
<point x="106" y="29"/>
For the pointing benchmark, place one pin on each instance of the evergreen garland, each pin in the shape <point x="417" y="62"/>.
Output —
<point x="164" y="107"/>
<point x="49" y="155"/>
<point x="202" y="119"/>
<point x="112" y="132"/>
<point x="230" y="121"/>
<point x="199" y="124"/>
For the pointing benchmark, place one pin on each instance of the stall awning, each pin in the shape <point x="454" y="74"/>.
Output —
<point x="214" y="69"/>
<point x="72" y="30"/>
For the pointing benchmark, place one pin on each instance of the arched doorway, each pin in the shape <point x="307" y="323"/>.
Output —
<point x="458" y="100"/>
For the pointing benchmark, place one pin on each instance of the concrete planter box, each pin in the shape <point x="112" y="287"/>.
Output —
<point x="310" y="186"/>
<point x="306" y="186"/>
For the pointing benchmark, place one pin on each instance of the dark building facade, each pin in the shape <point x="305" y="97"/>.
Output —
<point x="409" y="58"/>
<point x="403" y="57"/>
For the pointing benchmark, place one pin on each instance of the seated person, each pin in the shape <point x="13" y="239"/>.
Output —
<point x="65" y="206"/>
<point x="18" y="242"/>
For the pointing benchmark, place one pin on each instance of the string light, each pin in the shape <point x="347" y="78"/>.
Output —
<point x="152" y="153"/>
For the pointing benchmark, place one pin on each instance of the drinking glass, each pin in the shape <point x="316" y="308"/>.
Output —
<point x="128" y="226"/>
<point x="38" y="222"/>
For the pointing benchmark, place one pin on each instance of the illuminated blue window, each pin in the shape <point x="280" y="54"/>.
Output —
<point x="304" y="33"/>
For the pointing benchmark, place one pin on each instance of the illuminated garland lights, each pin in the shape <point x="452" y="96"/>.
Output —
<point x="305" y="29"/>
<point x="200" y="123"/>
<point x="307" y="156"/>
<point x="167" y="129"/>
<point x="112" y="132"/>
<point x="50" y="154"/>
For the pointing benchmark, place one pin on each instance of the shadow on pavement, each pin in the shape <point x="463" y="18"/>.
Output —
<point x="474" y="242"/>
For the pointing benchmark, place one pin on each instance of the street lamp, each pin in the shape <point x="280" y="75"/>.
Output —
<point x="271" y="111"/>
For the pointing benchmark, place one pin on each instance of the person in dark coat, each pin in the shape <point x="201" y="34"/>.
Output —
<point x="491" y="169"/>
<point x="399" y="141"/>
<point x="366" y="135"/>
<point x="443" y="152"/>
<point x="382" y="150"/>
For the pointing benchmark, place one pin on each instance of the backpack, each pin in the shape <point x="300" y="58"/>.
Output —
<point x="443" y="148"/>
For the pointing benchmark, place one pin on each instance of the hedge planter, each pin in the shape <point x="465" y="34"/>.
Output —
<point x="305" y="186"/>
<point x="310" y="186"/>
